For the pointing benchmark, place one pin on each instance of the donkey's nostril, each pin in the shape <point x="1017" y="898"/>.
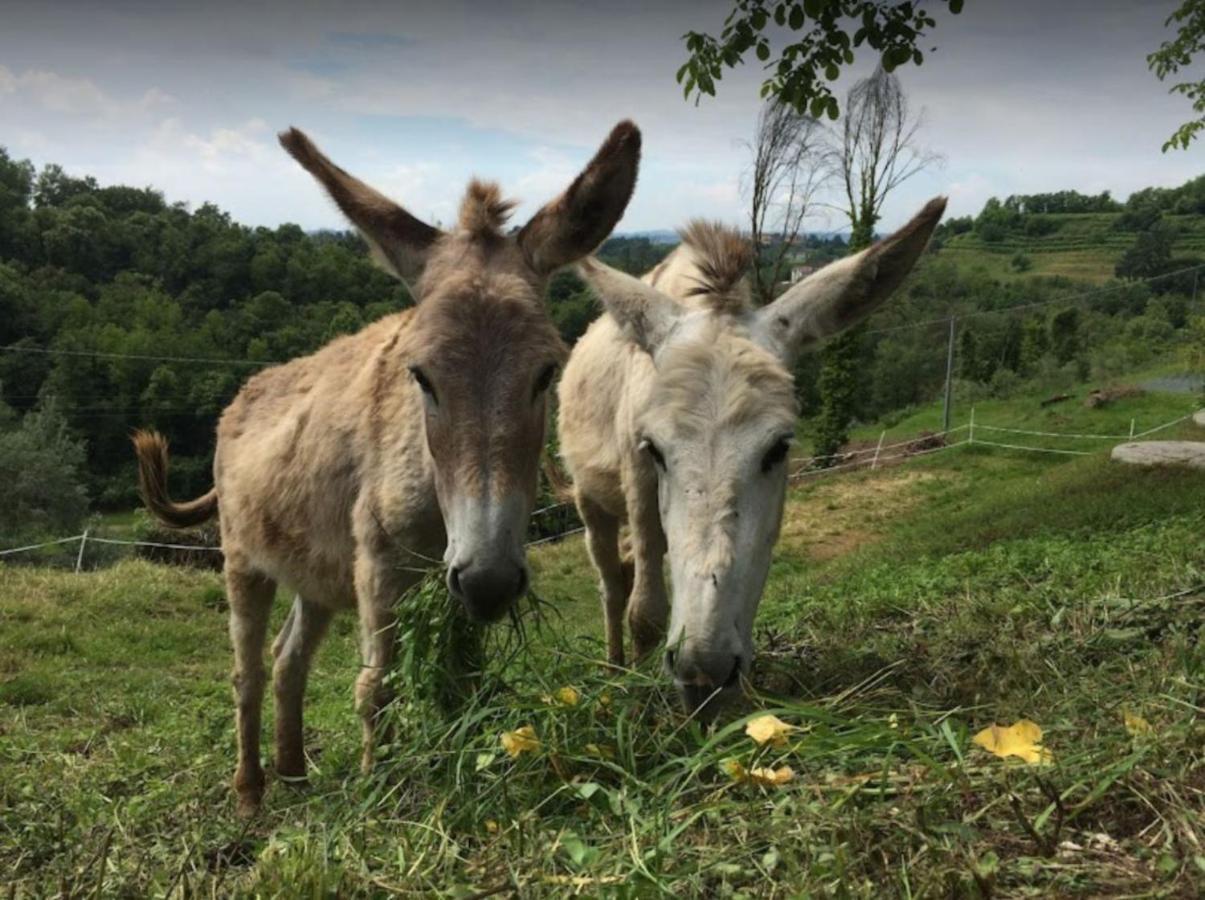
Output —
<point x="669" y="659"/>
<point x="734" y="677"/>
<point x="454" y="580"/>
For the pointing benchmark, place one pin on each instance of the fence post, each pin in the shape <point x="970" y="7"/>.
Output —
<point x="1131" y="429"/>
<point x="945" y="408"/>
<point x="971" y="432"/>
<point x="83" y="542"/>
<point x="875" y="463"/>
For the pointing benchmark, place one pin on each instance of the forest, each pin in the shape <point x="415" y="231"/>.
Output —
<point x="120" y="310"/>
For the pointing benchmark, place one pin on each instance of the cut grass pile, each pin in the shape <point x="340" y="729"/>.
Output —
<point x="974" y="587"/>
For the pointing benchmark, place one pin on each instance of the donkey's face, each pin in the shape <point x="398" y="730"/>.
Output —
<point x="717" y="428"/>
<point x="481" y="349"/>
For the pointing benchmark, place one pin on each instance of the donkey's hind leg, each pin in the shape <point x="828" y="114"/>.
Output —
<point x="250" y="597"/>
<point x="602" y="540"/>
<point x="294" y="649"/>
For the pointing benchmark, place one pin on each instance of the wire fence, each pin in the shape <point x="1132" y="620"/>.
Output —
<point x="861" y="458"/>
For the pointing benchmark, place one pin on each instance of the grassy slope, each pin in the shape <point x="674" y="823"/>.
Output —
<point x="1084" y="247"/>
<point x="907" y="608"/>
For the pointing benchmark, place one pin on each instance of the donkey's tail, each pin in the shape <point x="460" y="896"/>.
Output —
<point x="558" y="479"/>
<point x="151" y="449"/>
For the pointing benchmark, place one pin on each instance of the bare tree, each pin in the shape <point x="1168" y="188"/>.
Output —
<point x="878" y="150"/>
<point x="790" y="166"/>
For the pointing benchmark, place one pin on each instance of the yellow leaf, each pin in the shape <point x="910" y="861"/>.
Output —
<point x="734" y="769"/>
<point x="1022" y="739"/>
<point x="568" y="696"/>
<point x="768" y="777"/>
<point x="762" y="775"/>
<point x="769" y="729"/>
<point x="1136" y="725"/>
<point x="520" y="741"/>
<point x="600" y="751"/>
<point x="491" y="826"/>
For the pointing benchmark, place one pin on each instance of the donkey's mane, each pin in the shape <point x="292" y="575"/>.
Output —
<point x="484" y="210"/>
<point x="721" y="257"/>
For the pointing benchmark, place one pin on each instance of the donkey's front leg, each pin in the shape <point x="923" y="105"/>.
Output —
<point x="648" y="608"/>
<point x="379" y="584"/>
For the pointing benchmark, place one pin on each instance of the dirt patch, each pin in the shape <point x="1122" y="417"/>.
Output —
<point x="836" y="518"/>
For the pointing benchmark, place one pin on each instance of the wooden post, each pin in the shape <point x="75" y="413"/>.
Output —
<point x="945" y="407"/>
<point x="875" y="463"/>
<point x="1131" y="429"/>
<point x="83" y="542"/>
<point x="971" y="432"/>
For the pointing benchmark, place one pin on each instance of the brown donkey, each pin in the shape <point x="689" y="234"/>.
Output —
<point x="346" y="473"/>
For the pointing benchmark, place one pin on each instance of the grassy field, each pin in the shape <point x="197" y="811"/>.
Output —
<point x="908" y="608"/>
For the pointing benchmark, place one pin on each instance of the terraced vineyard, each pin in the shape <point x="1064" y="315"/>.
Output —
<point x="1083" y="246"/>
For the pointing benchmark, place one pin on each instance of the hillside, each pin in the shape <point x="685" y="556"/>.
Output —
<point x="1083" y="246"/>
<point x="907" y="609"/>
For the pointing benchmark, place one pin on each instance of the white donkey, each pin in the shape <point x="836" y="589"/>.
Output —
<point x="677" y="409"/>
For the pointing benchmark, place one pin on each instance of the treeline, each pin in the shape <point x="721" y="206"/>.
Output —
<point x="1030" y="215"/>
<point x="97" y="281"/>
<point x="119" y="310"/>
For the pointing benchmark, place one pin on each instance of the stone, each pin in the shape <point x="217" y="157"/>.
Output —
<point x="1199" y="418"/>
<point x="1162" y="453"/>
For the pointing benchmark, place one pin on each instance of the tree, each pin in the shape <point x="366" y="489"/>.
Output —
<point x="790" y="164"/>
<point x="878" y="152"/>
<point x="41" y="467"/>
<point x="1177" y="54"/>
<point x="828" y="33"/>
<point x="1150" y="254"/>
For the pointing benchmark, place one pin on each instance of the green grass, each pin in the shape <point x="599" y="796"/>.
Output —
<point x="907" y="609"/>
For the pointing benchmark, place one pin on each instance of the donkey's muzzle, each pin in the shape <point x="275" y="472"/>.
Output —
<point x="488" y="591"/>
<point x="705" y="681"/>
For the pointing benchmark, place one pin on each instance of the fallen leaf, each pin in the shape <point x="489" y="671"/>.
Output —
<point x="734" y="769"/>
<point x="600" y="751"/>
<point x="761" y="775"/>
<point x="520" y="741"/>
<point x="769" y="729"/>
<point x="1022" y="739"/>
<point x="768" y="777"/>
<point x="1136" y="725"/>
<point x="491" y="826"/>
<point x="568" y="696"/>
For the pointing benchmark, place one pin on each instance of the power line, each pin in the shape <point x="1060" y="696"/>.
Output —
<point x="204" y="360"/>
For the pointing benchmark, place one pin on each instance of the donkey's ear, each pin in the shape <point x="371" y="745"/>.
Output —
<point x="398" y="241"/>
<point x="845" y="292"/>
<point x="646" y="315"/>
<point x="575" y="223"/>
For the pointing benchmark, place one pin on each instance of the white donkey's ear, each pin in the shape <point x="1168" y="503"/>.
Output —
<point x="845" y="292"/>
<point x="646" y="315"/>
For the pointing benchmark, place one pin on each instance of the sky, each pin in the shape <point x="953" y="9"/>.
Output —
<point x="1018" y="97"/>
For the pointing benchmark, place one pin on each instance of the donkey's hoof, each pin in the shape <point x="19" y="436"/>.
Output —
<point x="249" y="803"/>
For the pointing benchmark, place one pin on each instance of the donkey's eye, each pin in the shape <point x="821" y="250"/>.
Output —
<point x="655" y="453"/>
<point x="544" y="380"/>
<point x="424" y="382"/>
<point x="775" y="454"/>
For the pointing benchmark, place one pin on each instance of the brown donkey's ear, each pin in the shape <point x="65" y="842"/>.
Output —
<point x="397" y="239"/>
<point x="845" y="292"/>
<point x="575" y="223"/>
